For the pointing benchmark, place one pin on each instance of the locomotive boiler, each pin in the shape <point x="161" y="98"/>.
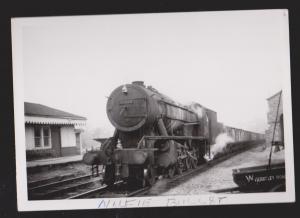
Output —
<point x="154" y="135"/>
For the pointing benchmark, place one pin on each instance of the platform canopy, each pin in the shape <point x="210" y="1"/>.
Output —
<point x="41" y="114"/>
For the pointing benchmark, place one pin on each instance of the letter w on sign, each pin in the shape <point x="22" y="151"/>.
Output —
<point x="249" y="178"/>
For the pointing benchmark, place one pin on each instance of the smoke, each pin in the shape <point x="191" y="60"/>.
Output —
<point x="219" y="147"/>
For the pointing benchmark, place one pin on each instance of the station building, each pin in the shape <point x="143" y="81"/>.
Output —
<point x="275" y="104"/>
<point x="51" y="132"/>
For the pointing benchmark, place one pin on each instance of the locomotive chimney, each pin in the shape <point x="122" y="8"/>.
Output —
<point x="139" y="83"/>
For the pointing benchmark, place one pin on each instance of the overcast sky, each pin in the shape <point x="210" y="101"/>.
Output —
<point x="227" y="61"/>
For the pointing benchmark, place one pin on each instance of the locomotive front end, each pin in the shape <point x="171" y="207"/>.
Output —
<point x="131" y="110"/>
<point x="154" y="135"/>
<point x="129" y="107"/>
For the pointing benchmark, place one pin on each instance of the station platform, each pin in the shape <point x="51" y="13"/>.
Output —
<point x="54" y="161"/>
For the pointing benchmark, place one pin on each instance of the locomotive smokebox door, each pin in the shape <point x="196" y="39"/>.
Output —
<point x="127" y="108"/>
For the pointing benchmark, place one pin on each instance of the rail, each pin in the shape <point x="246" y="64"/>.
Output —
<point x="58" y="189"/>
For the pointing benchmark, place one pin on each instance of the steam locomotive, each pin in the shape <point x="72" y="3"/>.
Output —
<point x="154" y="136"/>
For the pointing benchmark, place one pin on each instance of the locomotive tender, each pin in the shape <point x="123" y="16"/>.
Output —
<point x="154" y="135"/>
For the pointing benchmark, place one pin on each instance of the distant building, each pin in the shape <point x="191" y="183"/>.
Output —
<point x="52" y="133"/>
<point x="274" y="103"/>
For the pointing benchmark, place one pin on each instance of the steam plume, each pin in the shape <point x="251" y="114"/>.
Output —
<point x="219" y="147"/>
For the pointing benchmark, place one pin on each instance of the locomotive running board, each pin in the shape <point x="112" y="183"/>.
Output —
<point x="144" y="138"/>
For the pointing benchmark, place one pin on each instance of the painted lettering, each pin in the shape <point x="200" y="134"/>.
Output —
<point x="249" y="178"/>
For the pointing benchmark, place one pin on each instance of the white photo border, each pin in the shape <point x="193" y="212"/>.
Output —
<point x="17" y="25"/>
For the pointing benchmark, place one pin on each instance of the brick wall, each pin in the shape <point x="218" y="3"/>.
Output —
<point x="69" y="151"/>
<point x="39" y="154"/>
<point x="271" y="117"/>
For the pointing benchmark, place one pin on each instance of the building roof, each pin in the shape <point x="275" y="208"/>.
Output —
<point x="276" y="94"/>
<point x="39" y="110"/>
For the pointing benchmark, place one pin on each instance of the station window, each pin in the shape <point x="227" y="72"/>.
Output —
<point x="37" y="137"/>
<point x="42" y="137"/>
<point x="77" y="135"/>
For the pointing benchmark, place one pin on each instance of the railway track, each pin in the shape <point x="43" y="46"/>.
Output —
<point x="118" y="190"/>
<point x="86" y="186"/>
<point x="157" y="189"/>
<point x="55" y="188"/>
<point x="70" y="187"/>
<point x="40" y="182"/>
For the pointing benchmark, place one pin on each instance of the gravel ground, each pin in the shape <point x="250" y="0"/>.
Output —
<point x="75" y="169"/>
<point x="220" y="176"/>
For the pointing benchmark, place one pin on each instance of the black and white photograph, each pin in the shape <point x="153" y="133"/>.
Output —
<point x="152" y="110"/>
